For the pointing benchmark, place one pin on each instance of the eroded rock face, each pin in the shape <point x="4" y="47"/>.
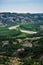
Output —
<point x="41" y="58"/>
<point x="12" y="18"/>
<point x="17" y="51"/>
<point x="5" y="43"/>
<point x="26" y="43"/>
<point x="15" y="61"/>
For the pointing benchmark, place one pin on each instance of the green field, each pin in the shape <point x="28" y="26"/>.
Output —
<point x="16" y="33"/>
<point x="28" y="48"/>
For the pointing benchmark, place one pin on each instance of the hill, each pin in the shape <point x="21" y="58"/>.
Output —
<point x="15" y="18"/>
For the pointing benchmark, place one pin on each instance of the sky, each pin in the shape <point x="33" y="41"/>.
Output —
<point x="21" y="6"/>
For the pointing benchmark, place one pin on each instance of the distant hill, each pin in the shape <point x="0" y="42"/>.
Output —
<point x="15" y="18"/>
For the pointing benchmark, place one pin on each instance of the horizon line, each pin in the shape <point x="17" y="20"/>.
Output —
<point x="19" y="12"/>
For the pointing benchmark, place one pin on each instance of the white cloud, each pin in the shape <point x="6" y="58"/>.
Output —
<point x="23" y="8"/>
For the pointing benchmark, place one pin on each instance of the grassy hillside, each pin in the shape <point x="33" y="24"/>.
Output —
<point x="20" y="48"/>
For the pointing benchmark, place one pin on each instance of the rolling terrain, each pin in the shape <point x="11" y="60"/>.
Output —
<point x="21" y="39"/>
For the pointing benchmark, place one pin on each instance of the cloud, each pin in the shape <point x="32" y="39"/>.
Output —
<point x="21" y="5"/>
<point x="24" y="8"/>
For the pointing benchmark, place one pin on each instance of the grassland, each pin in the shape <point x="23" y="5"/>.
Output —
<point x="18" y="51"/>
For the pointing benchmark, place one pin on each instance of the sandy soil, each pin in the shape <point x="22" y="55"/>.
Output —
<point x="29" y="32"/>
<point x="13" y="27"/>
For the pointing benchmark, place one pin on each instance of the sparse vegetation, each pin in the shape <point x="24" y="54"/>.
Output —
<point x="20" y="48"/>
